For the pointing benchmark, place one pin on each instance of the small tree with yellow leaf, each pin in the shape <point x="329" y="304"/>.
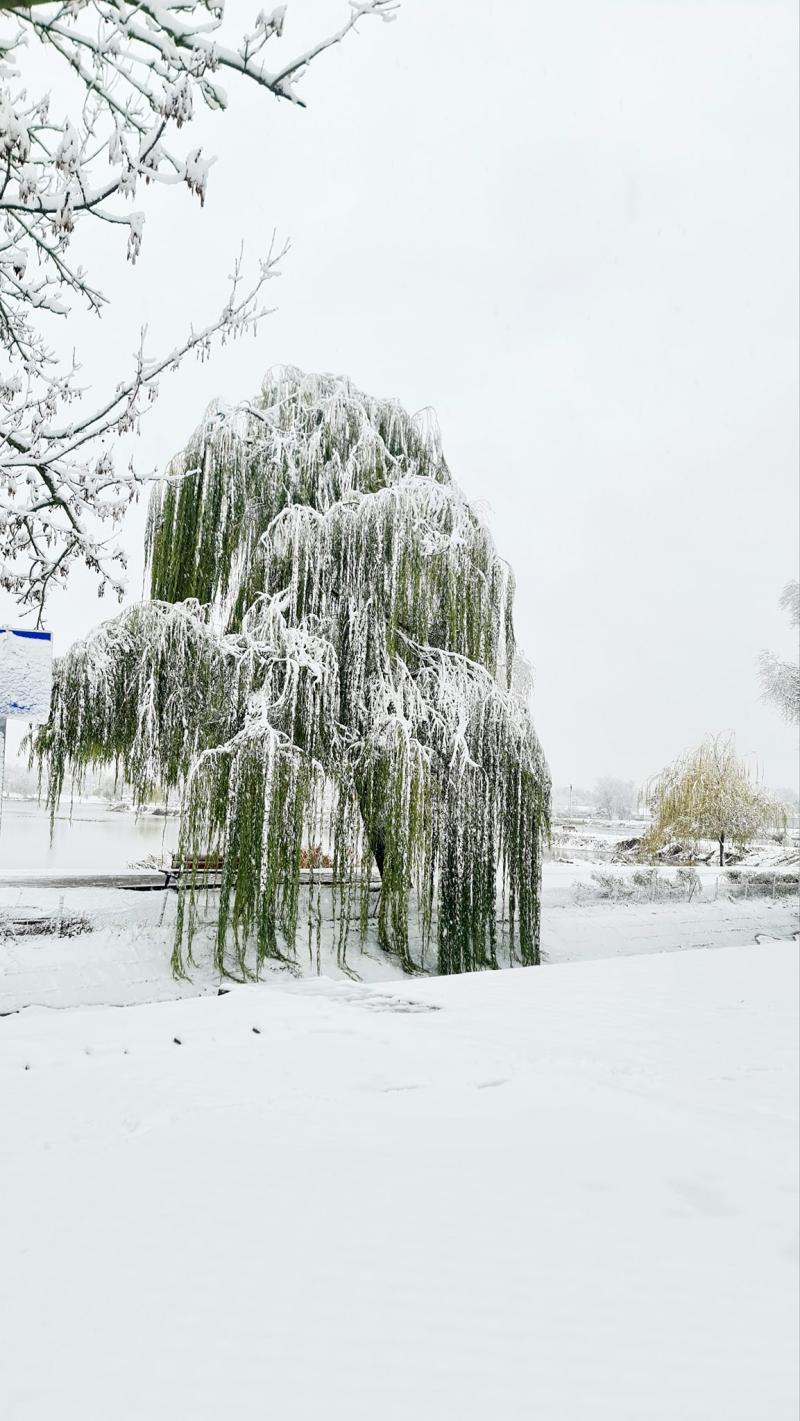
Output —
<point x="709" y="793"/>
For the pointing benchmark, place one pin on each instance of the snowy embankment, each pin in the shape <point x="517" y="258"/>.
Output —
<point x="124" y="957"/>
<point x="564" y="1193"/>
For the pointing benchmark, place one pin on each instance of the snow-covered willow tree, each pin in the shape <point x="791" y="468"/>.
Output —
<point x="328" y="656"/>
<point x="709" y="793"/>
<point x="95" y="100"/>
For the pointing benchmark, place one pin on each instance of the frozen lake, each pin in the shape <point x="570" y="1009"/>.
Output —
<point x="95" y="839"/>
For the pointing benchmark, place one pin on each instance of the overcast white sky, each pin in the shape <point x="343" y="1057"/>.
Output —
<point x="572" y="230"/>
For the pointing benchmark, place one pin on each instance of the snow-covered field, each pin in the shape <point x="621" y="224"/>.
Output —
<point x="567" y="1192"/>
<point x="560" y="1193"/>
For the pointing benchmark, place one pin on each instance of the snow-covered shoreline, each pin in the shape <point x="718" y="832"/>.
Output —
<point x="124" y="956"/>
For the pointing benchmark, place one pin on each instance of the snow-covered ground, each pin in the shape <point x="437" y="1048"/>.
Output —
<point x="566" y="1193"/>
<point x="125" y="957"/>
<point x="600" y="841"/>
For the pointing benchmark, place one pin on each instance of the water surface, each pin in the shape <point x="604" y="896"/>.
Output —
<point x="92" y="839"/>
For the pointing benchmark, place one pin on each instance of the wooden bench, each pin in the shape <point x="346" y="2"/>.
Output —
<point x="207" y="867"/>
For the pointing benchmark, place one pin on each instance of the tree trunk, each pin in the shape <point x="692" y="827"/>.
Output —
<point x="376" y="843"/>
<point x="722" y="850"/>
<point x="377" y="840"/>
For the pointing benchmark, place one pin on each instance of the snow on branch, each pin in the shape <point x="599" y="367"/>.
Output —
<point x="59" y="485"/>
<point x="710" y="793"/>
<point x="780" y="679"/>
<point x="135" y="74"/>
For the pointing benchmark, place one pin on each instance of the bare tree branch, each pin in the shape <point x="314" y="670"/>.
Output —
<point x="136" y="73"/>
<point x="780" y="680"/>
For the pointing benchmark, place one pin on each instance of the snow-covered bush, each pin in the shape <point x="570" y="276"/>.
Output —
<point x="329" y="658"/>
<point x="33" y="923"/>
<point x="643" y="886"/>
<point x="754" y="883"/>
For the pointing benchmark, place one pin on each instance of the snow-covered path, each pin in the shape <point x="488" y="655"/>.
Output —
<point x="566" y="1194"/>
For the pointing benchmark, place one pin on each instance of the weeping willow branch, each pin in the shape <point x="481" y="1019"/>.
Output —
<point x="328" y="656"/>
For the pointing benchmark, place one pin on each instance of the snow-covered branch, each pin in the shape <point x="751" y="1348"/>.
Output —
<point x="58" y="482"/>
<point x="136" y="74"/>
<point x="780" y="680"/>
